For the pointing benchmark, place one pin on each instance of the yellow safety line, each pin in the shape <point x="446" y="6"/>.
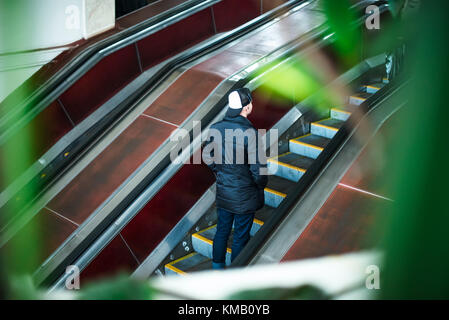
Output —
<point x="208" y="228"/>
<point x="307" y="144"/>
<point x="372" y="87"/>
<point x="275" y="192"/>
<point x="182" y="258"/>
<point x="359" y="98"/>
<point x="258" y="222"/>
<point x="341" y="110"/>
<point x="200" y="237"/>
<point x="286" y="165"/>
<point x="172" y="268"/>
<point x="281" y="155"/>
<point x="323" y="125"/>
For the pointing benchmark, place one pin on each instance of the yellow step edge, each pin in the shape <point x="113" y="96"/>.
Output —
<point x="200" y="237"/>
<point x="306" y="144"/>
<point x="173" y="268"/>
<point x="372" y="87"/>
<point x="257" y="221"/>
<point x="278" y="156"/>
<point x="358" y="98"/>
<point x="286" y="165"/>
<point x="323" y="125"/>
<point x="283" y="195"/>
<point x="341" y="110"/>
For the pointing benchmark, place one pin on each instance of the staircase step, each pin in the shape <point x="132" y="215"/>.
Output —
<point x="276" y="190"/>
<point x="289" y="166"/>
<point x="385" y="80"/>
<point x="373" y="88"/>
<point x="189" y="263"/>
<point x="359" y="98"/>
<point x="309" y="145"/>
<point x="326" y="128"/>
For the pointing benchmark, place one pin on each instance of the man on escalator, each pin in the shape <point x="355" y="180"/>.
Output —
<point x="232" y="153"/>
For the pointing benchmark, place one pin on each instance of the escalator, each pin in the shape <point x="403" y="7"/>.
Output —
<point x="287" y="170"/>
<point x="120" y="206"/>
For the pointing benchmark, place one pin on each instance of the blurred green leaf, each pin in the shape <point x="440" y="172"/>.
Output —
<point x="341" y="20"/>
<point x="121" y="287"/>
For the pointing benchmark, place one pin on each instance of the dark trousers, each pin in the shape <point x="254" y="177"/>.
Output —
<point x="242" y="227"/>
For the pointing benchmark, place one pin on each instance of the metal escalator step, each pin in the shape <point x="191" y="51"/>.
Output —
<point x="289" y="165"/>
<point x="373" y="88"/>
<point x="265" y="213"/>
<point x="343" y="112"/>
<point x="191" y="262"/>
<point x="202" y="242"/>
<point x="276" y="190"/>
<point x="309" y="145"/>
<point x="326" y="128"/>
<point x="359" y="98"/>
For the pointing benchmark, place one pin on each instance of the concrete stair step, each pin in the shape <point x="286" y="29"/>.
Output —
<point x="326" y="128"/>
<point x="289" y="166"/>
<point x="309" y="145"/>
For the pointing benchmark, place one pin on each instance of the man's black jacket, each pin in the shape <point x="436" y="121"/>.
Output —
<point x="239" y="184"/>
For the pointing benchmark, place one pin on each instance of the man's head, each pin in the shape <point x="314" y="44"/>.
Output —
<point x="240" y="103"/>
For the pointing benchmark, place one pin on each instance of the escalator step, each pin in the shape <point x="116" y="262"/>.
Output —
<point x="373" y="88"/>
<point x="289" y="166"/>
<point x="359" y="98"/>
<point x="326" y="128"/>
<point x="276" y="190"/>
<point x="191" y="262"/>
<point x="385" y="80"/>
<point x="264" y="214"/>
<point x="202" y="243"/>
<point x="309" y="145"/>
<point x="343" y="113"/>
